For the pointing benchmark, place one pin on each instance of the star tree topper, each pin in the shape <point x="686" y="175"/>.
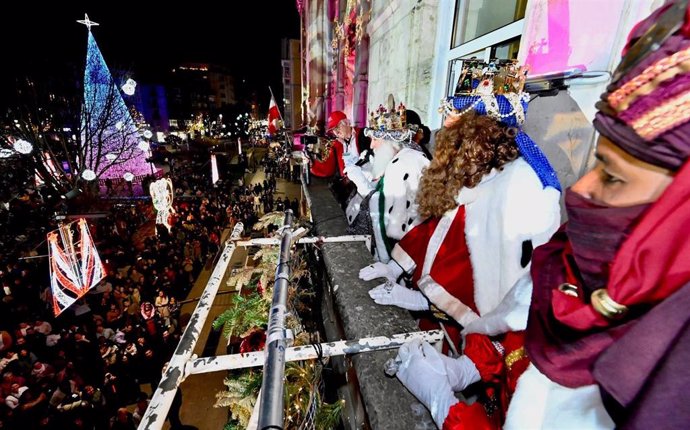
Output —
<point x="87" y="22"/>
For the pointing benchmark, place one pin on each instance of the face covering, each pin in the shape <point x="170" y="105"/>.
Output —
<point x="596" y="231"/>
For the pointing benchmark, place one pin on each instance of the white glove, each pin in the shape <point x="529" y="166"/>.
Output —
<point x="355" y="174"/>
<point x="422" y="371"/>
<point x="461" y="372"/>
<point x="391" y="293"/>
<point x="391" y="270"/>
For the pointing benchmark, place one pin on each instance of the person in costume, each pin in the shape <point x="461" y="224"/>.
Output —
<point x="387" y="180"/>
<point x="343" y="151"/>
<point x="490" y="197"/>
<point x="607" y="332"/>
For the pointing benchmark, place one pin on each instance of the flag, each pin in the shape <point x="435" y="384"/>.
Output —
<point x="273" y="117"/>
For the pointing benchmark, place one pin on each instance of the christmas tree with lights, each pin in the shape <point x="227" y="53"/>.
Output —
<point x="113" y="147"/>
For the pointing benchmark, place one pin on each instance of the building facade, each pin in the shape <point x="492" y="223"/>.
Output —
<point x="292" y="83"/>
<point x="356" y="52"/>
<point x="199" y="88"/>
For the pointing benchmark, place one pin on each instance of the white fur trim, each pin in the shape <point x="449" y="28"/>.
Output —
<point x="501" y="212"/>
<point x="437" y="238"/>
<point x="353" y="208"/>
<point x="445" y="301"/>
<point x="510" y="315"/>
<point x="539" y="403"/>
<point x="400" y="184"/>
<point x="403" y="259"/>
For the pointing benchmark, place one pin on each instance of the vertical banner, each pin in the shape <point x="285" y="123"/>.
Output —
<point x="214" y="169"/>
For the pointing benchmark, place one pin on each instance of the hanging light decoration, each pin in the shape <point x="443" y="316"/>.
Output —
<point x="144" y="145"/>
<point x="88" y="175"/>
<point x="75" y="267"/>
<point x="110" y="156"/>
<point x="6" y="153"/>
<point x="214" y="169"/>
<point x="22" y="146"/>
<point x="118" y="125"/>
<point x="148" y="134"/>
<point x="162" y="194"/>
<point x="129" y="87"/>
<point x="128" y="176"/>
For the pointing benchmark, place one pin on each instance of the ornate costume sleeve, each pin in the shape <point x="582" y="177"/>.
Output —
<point x="327" y="167"/>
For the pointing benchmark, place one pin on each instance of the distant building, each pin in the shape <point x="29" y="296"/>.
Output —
<point x="199" y="88"/>
<point x="292" y="83"/>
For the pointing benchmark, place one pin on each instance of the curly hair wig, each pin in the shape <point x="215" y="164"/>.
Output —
<point x="465" y="152"/>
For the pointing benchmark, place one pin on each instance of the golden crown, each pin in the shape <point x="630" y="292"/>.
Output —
<point x="390" y="122"/>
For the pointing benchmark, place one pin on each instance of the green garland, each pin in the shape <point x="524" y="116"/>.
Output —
<point x="304" y="407"/>
<point x="244" y="313"/>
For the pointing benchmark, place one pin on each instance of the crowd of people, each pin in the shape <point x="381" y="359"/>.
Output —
<point x="86" y="368"/>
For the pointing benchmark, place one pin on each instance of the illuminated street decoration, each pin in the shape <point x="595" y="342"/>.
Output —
<point x="88" y="175"/>
<point x="162" y="194"/>
<point x="49" y="165"/>
<point x="214" y="169"/>
<point x="75" y="266"/>
<point x="22" y="146"/>
<point x="129" y="87"/>
<point x="107" y="124"/>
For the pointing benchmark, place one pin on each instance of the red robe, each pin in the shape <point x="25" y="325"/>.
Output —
<point x="452" y="253"/>
<point x="470" y="264"/>
<point x="334" y="163"/>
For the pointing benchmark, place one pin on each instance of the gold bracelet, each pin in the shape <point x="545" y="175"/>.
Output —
<point x="606" y="306"/>
<point x="515" y="356"/>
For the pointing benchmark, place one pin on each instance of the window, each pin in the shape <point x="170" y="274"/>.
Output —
<point x="507" y="50"/>
<point x="475" y="18"/>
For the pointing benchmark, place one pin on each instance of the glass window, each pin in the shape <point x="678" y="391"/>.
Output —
<point x="507" y="50"/>
<point x="475" y="18"/>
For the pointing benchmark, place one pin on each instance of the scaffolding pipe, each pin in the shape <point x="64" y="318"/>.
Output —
<point x="271" y="412"/>
<point x="309" y="352"/>
<point x="335" y="239"/>
<point x="162" y="399"/>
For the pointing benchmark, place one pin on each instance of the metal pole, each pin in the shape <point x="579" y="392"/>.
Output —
<point x="271" y="412"/>
<point x="172" y="378"/>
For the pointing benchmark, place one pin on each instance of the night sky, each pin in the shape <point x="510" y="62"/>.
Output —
<point x="149" y="39"/>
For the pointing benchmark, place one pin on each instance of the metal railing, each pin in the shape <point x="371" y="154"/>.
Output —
<point x="277" y="351"/>
<point x="272" y="386"/>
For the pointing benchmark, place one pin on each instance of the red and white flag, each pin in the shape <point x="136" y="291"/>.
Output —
<point x="273" y="117"/>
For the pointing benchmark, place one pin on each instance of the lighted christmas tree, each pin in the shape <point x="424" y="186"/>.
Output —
<point x="112" y="144"/>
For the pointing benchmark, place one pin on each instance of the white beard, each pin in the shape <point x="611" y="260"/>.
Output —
<point x="382" y="156"/>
